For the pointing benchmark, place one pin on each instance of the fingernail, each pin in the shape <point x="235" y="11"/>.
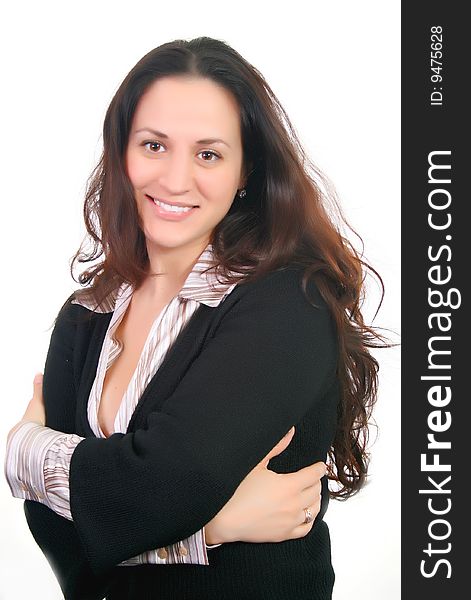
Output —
<point x="38" y="378"/>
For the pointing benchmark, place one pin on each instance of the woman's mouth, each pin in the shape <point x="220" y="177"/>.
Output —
<point x="172" y="212"/>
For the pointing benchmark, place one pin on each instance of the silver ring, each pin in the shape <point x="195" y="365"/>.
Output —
<point x="309" y="518"/>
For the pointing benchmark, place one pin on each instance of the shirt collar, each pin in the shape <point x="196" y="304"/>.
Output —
<point x="201" y="285"/>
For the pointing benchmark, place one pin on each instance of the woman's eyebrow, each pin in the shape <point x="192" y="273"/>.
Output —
<point x="162" y="135"/>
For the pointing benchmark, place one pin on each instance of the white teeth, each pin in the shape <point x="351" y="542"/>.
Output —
<point x="170" y="208"/>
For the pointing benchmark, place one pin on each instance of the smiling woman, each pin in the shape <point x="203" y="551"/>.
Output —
<point x="177" y="177"/>
<point x="222" y="321"/>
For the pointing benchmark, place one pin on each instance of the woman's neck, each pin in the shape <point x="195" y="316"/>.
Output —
<point x="169" y="267"/>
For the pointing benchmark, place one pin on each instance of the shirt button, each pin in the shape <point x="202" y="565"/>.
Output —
<point x="162" y="553"/>
<point x="182" y="551"/>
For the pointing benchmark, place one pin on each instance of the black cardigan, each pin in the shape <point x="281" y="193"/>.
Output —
<point x="237" y="378"/>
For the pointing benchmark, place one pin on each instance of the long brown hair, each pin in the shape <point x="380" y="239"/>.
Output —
<point x="284" y="218"/>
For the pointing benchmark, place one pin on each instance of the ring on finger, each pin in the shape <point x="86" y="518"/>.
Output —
<point x="308" y="516"/>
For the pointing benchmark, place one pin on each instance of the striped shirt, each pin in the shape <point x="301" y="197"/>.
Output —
<point x="38" y="458"/>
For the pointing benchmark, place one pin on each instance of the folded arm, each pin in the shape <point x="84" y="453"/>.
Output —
<point x="37" y="468"/>
<point x="268" y="363"/>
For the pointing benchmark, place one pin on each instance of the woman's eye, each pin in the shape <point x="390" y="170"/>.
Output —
<point x="209" y="155"/>
<point x="154" y="146"/>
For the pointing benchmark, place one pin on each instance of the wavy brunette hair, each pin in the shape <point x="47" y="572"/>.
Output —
<point x="283" y="219"/>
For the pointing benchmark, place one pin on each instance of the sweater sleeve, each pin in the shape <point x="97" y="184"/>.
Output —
<point x="270" y="360"/>
<point x="37" y="464"/>
<point x="37" y="458"/>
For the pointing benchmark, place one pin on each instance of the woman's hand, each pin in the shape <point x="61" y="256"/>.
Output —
<point x="269" y="506"/>
<point x="35" y="411"/>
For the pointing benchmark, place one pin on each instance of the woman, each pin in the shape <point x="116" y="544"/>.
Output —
<point x="224" y="312"/>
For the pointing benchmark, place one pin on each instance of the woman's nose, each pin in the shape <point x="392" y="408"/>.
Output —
<point x="177" y="174"/>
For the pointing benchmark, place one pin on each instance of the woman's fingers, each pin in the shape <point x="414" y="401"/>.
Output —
<point x="308" y="482"/>
<point x="301" y="530"/>
<point x="38" y="387"/>
<point x="278" y="449"/>
<point x="35" y="410"/>
<point x="311" y="499"/>
<point x="308" y="476"/>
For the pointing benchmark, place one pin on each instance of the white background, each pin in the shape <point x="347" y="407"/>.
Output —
<point x="336" y="69"/>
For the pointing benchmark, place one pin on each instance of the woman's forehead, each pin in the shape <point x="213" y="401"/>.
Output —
<point x="189" y="107"/>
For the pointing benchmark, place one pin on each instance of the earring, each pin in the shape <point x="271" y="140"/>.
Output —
<point x="242" y="193"/>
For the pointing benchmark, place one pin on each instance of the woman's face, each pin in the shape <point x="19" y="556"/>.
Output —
<point x="184" y="160"/>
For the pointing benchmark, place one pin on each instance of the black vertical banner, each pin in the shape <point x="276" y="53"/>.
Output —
<point x="436" y="355"/>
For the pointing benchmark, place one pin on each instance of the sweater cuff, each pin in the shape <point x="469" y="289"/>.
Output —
<point x="56" y="472"/>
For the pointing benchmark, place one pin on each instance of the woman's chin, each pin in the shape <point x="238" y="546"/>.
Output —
<point x="159" y="243"/>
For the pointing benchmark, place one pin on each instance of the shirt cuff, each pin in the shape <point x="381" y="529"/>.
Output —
<point x="27" y="445"/>
<point x="37" y="468"/>
<point x="37" y="464"/>
<point x="191" y="550"/>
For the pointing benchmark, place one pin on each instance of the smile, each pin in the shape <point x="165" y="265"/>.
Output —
<point x="171" y="210"/>
<point x="171" y="207"/>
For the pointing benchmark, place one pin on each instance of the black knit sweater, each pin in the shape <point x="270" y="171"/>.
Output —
<point x="236" y="379"/>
